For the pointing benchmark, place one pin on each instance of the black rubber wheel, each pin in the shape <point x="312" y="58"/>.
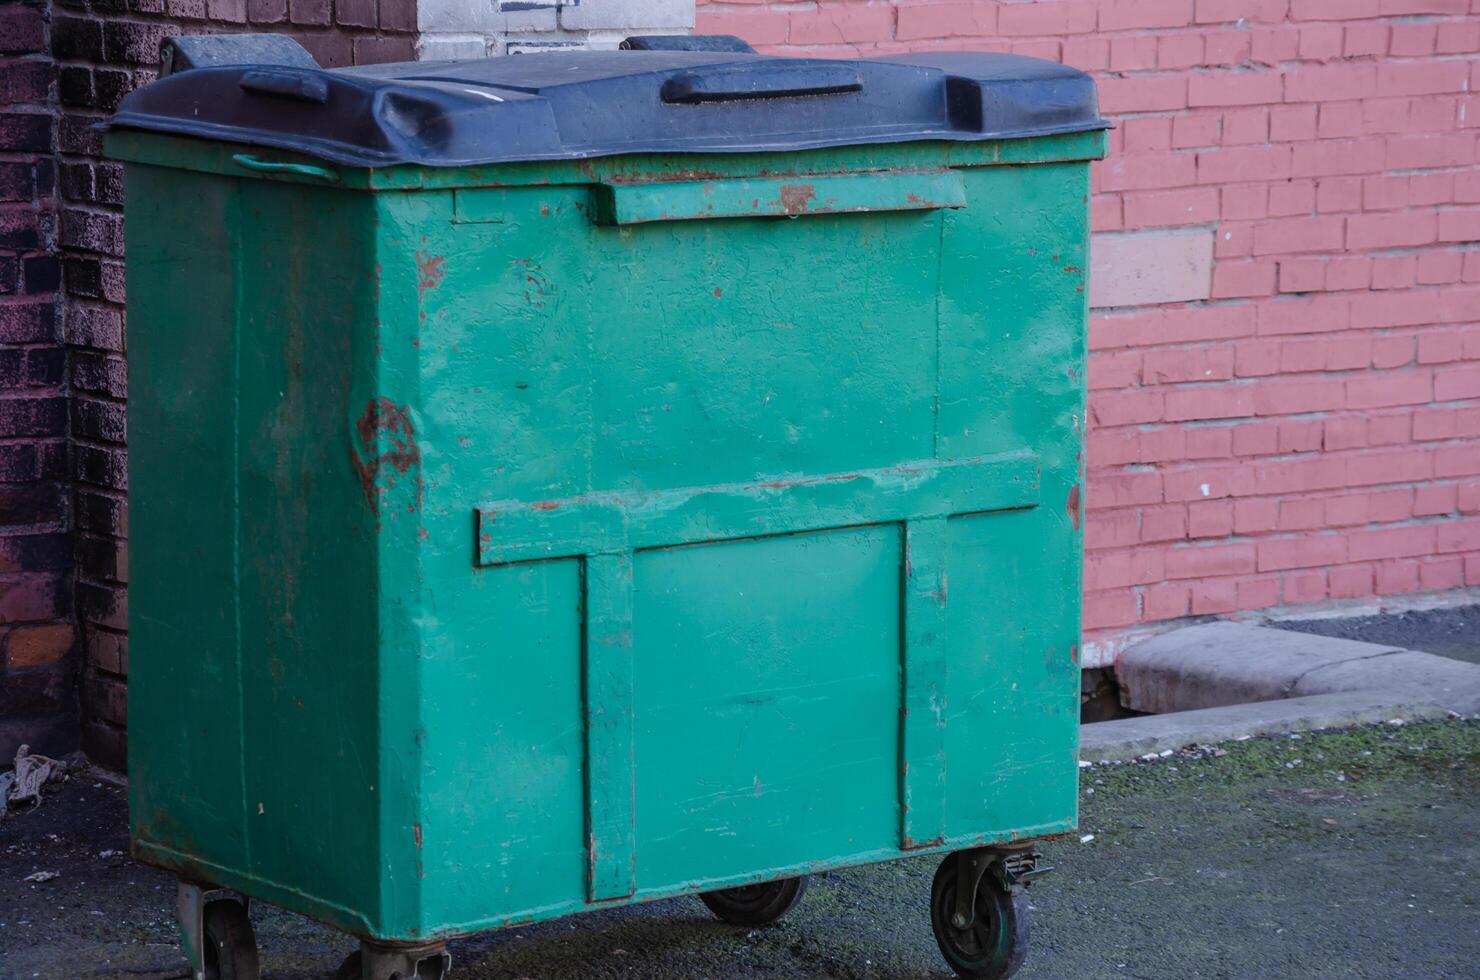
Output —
<point x="992" y="947"/>
<point x="350" y="969"/>
<point x="756" y="905"/>
<point x="230" y="943"/>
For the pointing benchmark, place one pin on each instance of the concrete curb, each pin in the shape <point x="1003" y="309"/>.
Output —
<point x="1221" y="681"/>
<point x="1132" y="738"/>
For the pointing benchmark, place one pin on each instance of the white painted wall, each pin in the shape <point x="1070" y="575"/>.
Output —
<point x="463" y="29"/>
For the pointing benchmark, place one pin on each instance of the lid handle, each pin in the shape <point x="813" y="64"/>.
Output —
<point x="302" y="86"/>
<point x="761" y="80"/>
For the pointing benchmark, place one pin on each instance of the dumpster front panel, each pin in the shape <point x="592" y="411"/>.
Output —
<point x="776" y="533"/>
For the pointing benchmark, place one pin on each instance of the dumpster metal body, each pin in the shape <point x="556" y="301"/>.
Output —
<point x="520" y="537"/>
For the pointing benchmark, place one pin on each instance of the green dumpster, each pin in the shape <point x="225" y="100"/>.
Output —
<point x="570" y="480"/>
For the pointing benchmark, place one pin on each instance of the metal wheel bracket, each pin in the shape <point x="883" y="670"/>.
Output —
<point x="971" y="866"/>
<point x="1012" y="869"/>
<point x="190" y="912"/>
<point x="426" y="962"/>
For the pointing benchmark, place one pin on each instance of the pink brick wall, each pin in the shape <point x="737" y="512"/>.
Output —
<point x="1311" y="431"/>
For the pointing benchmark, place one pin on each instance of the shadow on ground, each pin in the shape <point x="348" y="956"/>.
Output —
<point x="1352" y="855"/>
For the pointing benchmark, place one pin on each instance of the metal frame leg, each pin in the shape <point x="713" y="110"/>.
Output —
<point x="425" y="962"/>
<point x="190" y="908"/>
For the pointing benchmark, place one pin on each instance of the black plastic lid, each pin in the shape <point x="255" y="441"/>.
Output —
<point x="566" y="105"/>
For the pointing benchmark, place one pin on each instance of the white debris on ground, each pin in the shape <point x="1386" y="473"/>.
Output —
<point x="23" y="784"/>
<point x="41" y="876"/>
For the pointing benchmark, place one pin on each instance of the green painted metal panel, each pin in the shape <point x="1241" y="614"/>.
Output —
<point x="614" y="521"/>
<point x="495" y="563"/>
<point x="767" y="704"/>
<point x="762" y="197"/>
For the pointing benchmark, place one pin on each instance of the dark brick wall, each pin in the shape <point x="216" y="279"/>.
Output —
<point x="38" y="702"/>
<point x="103" y="49"/>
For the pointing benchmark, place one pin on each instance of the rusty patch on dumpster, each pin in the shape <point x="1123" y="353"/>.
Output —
<point x="794" y="197"/>
<point x="1072" y="506"/>
<point x="429" y="272"/>
<point x="386" y="450"/>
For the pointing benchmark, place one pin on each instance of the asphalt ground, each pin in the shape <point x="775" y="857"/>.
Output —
<point x="1349" y="854"/>
<point x="1453" y="633"/>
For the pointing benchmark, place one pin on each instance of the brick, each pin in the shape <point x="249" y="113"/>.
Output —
<point x="1291" y="235"/>
<point x="1103" y="610"/>
<point x="1291" y="198"/>
<point x="1304" y="551"/>
<point x="310" y="12"/>
<point x="1307" y="586"/>
<point x="1233" y="164"/>
<point x="1182" y="365"/>
<point x="25" y="132"/>
<point x="1168" y="208"/>
<point x="1141" y="93"/>
<point x="1396" y="578"/>
<point x="1441" y="573"/>
<point x="1334" y="157"/>
<point x="1257" y="593"/>
<point x="1236" y="11"/>
<point x="37" y="646"/>
<point x="355" y="13"/>
<point x="398" y="15"/>
<point x="1420" y="78"/>
<point x="1209" y="402"/>
<point x="1435" y="499"/>
<point x="267" y="11"/>
<point x="1121" y="15"/>
<point x="1452" y="384"/>
<point x="1333" y="9"/>
<point x="1235" y="88"/>
<point x="841" y="24"/>
<point x="1459" y="225"/>
<point x="1331" y="83"/>
<point x="1214" y="598"/>
<point x="1389" y="388"/>
<point x="1437" y="150"/>
<point x="383" y="50"/>
<point x="1406" y="229"/>
<point x="1205" y="561"/>
<point x="1165" y="601"/>
<point x="1352" y="581"/>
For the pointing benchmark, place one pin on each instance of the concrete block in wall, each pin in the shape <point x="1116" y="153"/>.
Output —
<point x="1149" y="268"/>
<point x="451" y="47"/>
<point x="486" y="16"/>
<point x="536" y="41"/>
<point x="628" y="15"/>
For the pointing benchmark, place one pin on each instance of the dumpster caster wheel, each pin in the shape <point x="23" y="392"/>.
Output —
<point x="993" y="942"/>
<point x="756" y="905"/>
<point x="230" y="945"/>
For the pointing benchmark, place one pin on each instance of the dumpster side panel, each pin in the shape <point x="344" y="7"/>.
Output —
<point x="186" y="797"/>
<point x="307" y="558"/>
<point x="254" y="750"/>
<point x="1013" y="315"/>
